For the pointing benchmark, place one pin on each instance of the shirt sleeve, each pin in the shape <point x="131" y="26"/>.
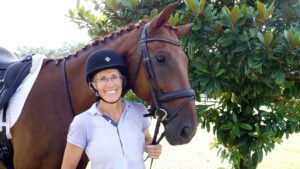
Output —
<point x="77" y="134"/>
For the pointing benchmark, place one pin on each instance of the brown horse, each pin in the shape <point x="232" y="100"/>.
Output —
<point x="39" y="134"/>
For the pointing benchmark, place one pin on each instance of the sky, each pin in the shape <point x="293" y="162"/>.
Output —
<point x="38" y="23"/>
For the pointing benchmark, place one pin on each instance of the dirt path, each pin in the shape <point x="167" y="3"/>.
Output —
<point x="195" y="155"/>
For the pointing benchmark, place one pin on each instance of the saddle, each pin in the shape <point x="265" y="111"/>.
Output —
<point x="11" y="76"/>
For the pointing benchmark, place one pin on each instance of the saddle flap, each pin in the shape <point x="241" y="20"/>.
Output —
<point x="3" y="68"/>
<point x="13" y="77"/>
<point x="11" y="73"/>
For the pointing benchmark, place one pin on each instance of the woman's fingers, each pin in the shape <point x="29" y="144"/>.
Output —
<point x="153" y="151"/>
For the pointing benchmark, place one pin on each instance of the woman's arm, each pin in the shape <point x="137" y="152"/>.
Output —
<point x="72" y="156"/>
<point x="153" y="151"/>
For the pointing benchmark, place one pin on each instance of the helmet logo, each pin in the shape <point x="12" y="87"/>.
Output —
<point x="107" y="59"/>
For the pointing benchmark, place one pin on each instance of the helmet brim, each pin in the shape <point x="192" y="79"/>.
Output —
<point x="91" y="73"/>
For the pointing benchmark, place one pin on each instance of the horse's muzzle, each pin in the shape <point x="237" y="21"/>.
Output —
<point x="182" y="135"/>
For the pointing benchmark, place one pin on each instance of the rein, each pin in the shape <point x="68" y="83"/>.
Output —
<point x="159" y="98"/>
<point x="67" y="92"/>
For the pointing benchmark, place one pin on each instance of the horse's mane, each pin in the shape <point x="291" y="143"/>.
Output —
<point x="111" y="36"/>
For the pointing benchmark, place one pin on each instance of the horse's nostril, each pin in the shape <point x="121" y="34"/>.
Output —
<point x="185" y="132"/>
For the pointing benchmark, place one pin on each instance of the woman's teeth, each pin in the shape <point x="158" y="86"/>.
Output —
<point x="111" y="92"/>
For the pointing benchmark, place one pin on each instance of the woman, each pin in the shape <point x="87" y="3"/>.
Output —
<point x="113" y="132"/>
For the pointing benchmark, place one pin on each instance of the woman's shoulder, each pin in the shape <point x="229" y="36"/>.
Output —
<point x="136" y="106"/>
<point x="83" y="117"/>
<point x="136" y="110"/>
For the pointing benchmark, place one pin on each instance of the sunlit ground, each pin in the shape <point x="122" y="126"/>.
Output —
<point x="197" y="155"/>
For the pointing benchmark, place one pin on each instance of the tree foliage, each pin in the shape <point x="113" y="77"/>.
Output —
<point x="109" y="15"/>
<point x="247" y="56"/>
<point x="63" y="51"/>
<point x="243" y="53"/>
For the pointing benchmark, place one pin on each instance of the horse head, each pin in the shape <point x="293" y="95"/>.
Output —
<point x="165" y="77"/>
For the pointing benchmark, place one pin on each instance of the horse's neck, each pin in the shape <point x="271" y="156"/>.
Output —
<point x="126" y="45"/>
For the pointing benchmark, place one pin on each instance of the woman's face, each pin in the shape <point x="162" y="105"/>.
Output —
<point x="108" y="83"/>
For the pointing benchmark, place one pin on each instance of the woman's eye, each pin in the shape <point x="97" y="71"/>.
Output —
<point x="160" y="58"/>
<point x="103" y="79"/>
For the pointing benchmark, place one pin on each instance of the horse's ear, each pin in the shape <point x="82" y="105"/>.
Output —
<point x="163" y="17"/>
<point x="183" y="29"/>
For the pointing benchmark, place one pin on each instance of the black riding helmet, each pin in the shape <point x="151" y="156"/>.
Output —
<point x="101" y="60"/>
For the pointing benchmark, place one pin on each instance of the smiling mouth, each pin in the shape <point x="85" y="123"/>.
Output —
<point x="111" y="91"/>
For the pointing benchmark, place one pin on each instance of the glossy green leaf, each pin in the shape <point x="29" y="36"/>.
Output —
<point x="292" y="37"/>
<point x="202" y="107"/>
<point x="261" y="7"/>
<point x="259" y="155"/>
<point x="153" y="13"/>
<point x="112" y="4"/>
<point x="174" y="20"/>
<point x="280" y="77"/>
<point x="226" y="11"/>
<point x="270" y="10"/>
<point x="244" y="10"/>
<point x="201" y="6"/>
<point x="245" y="126"/>
<point x="226" y="127"/>
<point x="234" y="132"/>
<point x="235" y="13"/>
<point x="196" y="27"/>
<point x="191" y="4"/>
<point x="268" y="38"/>
<point x="261" y="37"/>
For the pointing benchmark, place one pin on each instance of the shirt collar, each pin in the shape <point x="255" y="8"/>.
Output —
<point x="94" y="109"/>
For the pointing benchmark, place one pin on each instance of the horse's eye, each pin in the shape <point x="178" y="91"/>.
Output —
<point x="160" y="58"/>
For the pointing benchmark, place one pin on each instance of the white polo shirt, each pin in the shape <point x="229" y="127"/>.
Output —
<point x="107" y="144"/>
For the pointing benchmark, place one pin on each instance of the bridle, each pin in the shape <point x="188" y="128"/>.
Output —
<point x="158" y="98"/>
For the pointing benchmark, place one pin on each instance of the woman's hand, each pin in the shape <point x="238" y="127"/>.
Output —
<point x="153" y="151"/>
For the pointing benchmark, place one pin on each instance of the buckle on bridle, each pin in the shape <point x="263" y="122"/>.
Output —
<point x="160" y="113"/>
<point x="162" y="116"/>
